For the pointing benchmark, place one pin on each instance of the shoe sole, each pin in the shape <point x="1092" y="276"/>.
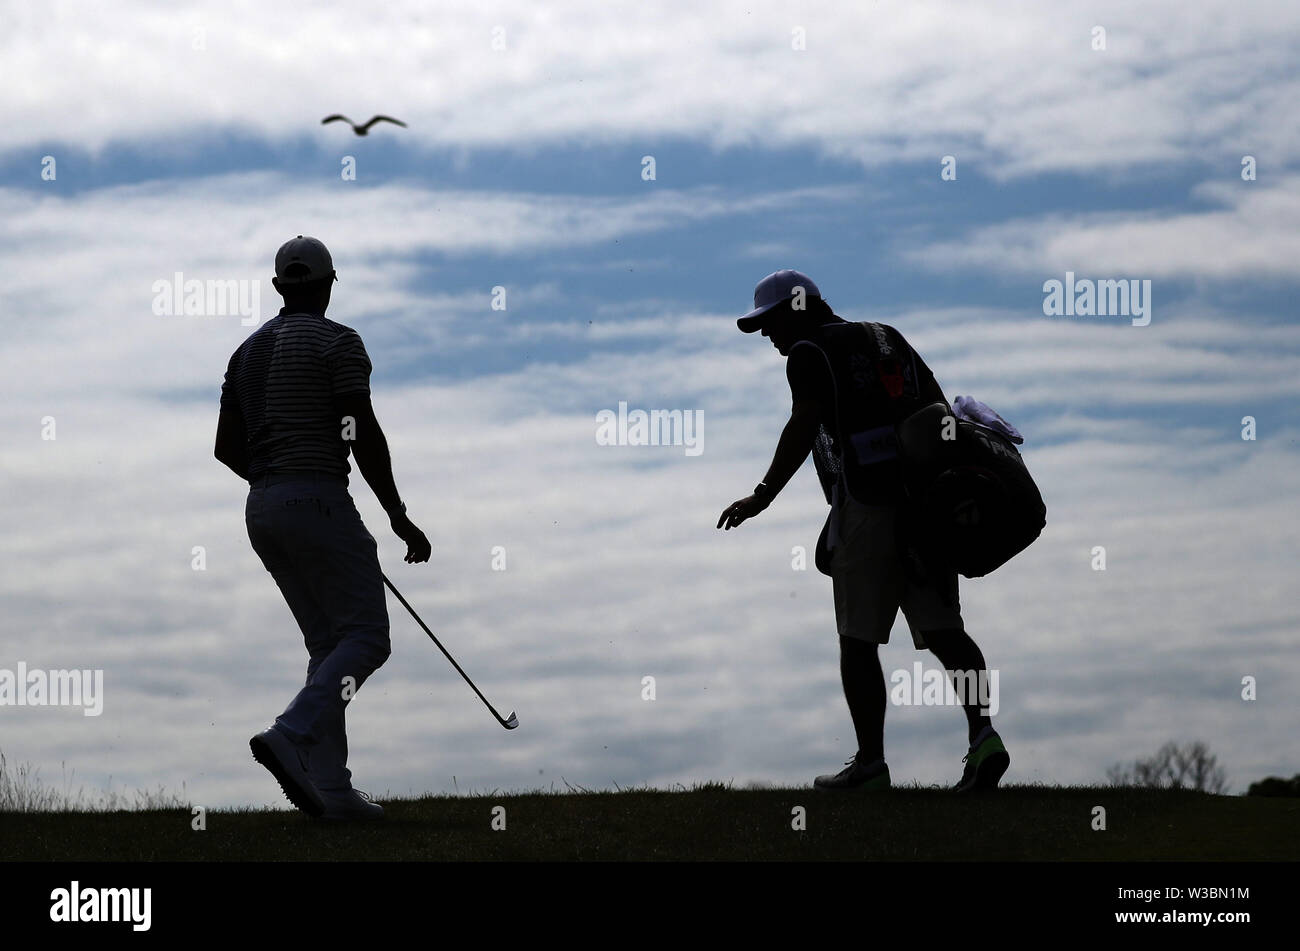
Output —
<point x="293" y="790"/>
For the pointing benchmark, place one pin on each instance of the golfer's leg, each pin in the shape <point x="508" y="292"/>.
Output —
<point x="275" y="530"/>
<point x="329" y="753"/>
<point x="318" y="635"/>
<point x="349" y="585"/>
<point x="329" y="757"/>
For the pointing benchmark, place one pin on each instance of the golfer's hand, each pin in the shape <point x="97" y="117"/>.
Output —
<point x="417" y="546"/>
<point x="737" y="512"/>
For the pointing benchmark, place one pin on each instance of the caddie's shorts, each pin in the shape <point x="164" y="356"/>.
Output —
<point x="872" y="580"/>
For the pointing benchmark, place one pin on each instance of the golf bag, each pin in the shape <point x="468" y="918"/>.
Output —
<point x="971" y="503"/>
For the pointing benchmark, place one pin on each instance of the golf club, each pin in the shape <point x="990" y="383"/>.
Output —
<point x="512" y="721"/>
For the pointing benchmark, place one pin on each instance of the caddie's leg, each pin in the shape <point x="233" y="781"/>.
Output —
<point x="961" y="656"/>
<point x="864" y="689"/>
<point x="867" y="585"/>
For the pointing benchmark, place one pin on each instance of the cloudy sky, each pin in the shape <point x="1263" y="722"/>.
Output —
<point x="1156" y="144"/>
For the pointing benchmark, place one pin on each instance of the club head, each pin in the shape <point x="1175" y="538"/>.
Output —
<point x="511" y="722"/>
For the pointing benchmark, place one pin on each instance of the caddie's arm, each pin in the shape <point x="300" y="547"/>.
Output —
<point x="791" y="451"/>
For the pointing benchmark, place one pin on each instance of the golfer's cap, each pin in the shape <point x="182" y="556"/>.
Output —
<point x="305" y="251"/>
<point x="772" y="290"/>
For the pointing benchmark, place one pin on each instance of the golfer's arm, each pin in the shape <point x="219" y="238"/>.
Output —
<point x="370" y="449"/>
<point x="231" y="448"/>
<point x="793" y="447"/>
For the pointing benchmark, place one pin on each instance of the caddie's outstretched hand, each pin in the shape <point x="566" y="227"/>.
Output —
<point x="739" y="511"/>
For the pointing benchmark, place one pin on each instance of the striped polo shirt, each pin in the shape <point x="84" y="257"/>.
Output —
<point x="283" y="380"/>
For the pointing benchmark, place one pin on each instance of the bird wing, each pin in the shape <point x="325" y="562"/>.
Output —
<point x="384" y="119"/>
<point x="336" y="117"/>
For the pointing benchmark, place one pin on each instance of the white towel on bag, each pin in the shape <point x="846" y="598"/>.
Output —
<point x="973" y="411"/>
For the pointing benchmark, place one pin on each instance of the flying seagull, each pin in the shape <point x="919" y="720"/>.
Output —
<point x="362" y="129"/>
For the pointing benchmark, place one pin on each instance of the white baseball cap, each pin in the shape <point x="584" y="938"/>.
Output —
<point x="308" y="252"/>
<point x="777" y="287"/>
